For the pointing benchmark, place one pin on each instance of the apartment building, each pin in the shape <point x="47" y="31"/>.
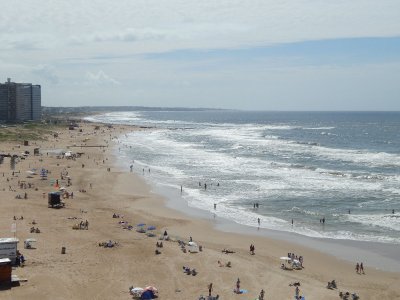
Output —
<point x="20" y="101"/>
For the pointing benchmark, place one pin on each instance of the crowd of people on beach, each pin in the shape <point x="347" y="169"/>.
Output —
<point x="188" y="270"/>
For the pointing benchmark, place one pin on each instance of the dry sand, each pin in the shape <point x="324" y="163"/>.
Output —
<point x="88" y="271"/>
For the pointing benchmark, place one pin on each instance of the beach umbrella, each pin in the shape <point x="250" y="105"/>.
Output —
<point x="141" y="224"/>
<point x="285" y="258"/>
<point x="151" y="228"/>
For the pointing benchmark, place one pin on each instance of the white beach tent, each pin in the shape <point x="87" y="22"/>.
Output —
<point x="286" y="260"/>
<point x="193" y="247"/>
<point x="296" y="264"/>
<point x="28" y="243"/>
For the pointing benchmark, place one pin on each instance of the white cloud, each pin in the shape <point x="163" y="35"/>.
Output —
<point x="100" y="78"/>
<point x="195" y="24"/>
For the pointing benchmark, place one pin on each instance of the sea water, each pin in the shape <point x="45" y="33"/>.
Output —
<point x="300" y="167"/>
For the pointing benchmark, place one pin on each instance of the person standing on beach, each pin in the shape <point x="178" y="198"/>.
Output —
<point x="357" y="268"/>
<point x="362" y="268"/>
<point x="261" y="297"/>
<point x="210" y="287"/>
<point x="237" y="290"/>
<point x="252" y="249"/>
<point x="297" y="292"/>
<point x="259" y="221"/>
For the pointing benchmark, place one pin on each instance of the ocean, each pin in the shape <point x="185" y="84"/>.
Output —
<point x="340" y="167"/>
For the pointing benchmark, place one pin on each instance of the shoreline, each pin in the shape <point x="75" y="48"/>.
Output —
<point x="381" y="256"/>
<point x="88" y="271"/>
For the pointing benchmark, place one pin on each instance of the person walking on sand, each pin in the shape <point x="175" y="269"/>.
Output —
<point x="237" y="290"/>
<point x="357" y="268"/>
<point x="259" y="221"/>
<point x="297" y="292"/>
<point x="261" y="297"/>
<point x="362" y="268"/>
<point x="210" y="287"/>
<point x="252" y="249"/>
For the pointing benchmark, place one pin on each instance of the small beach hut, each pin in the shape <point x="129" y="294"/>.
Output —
<point x="54" y="200"/>
<point x="8" y="248"/>
<point x="5" y="271"/>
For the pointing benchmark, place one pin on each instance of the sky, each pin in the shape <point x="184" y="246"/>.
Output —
<point x="248" y="54"/>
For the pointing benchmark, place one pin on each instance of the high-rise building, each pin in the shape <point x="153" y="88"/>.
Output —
<point x="20" y="101"/>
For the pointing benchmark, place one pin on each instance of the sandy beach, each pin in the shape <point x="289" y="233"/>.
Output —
<point x="88" y="271"/>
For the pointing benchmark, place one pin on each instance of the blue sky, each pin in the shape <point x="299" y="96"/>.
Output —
<point x="319" y="52"/>
<point x="256" y="55"/>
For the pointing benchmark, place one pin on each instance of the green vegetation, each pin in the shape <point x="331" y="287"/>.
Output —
<point x="26" y="132"/>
